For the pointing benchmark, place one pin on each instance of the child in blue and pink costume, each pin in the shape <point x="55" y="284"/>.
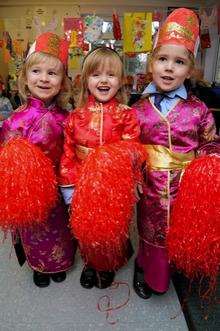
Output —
<point x="174" y="127"/>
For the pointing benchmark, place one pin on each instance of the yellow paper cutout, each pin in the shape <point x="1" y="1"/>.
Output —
<point x="74" y="62"/>
<point x="137" y="32"/>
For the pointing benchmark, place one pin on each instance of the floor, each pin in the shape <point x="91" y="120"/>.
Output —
<point x="69" y="307"/>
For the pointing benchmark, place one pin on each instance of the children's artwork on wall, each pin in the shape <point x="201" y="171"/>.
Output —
<point x="28" y="19"/>
<point x="135" y="63"/>
<point x="74" y="63"/>
<point x="18" y="47"/>
<point x="14" y="66"/>
<point x="74" y="31"/>
<point x="75" y="58"/>
<point x="93" y="28"/>
<point x="7" y="46"/>
<point x="41" y="26"/>
<point x="137" y="32"/>
<point x="204" y="27"/>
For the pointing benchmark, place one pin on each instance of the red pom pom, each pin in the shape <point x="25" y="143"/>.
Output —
<point x="103" y="203"/>
<point x="28" y="185"/>
<point x="194" y="236"/>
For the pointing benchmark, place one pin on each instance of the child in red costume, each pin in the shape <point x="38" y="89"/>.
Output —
<point x="100" y="118"/>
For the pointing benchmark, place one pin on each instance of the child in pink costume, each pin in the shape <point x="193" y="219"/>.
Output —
<point x="49" y="249"/>
<point x="174" y="126"/>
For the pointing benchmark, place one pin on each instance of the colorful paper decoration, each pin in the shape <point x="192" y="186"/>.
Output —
<point x="116" y="26"/>
<point x="157" y="16"/>
<point x="93" y="28"/>
<point x="18" y="46"/>
<point x="7" y="46"/>
<point x="205" y="36"/>
<point x="28" y="19"/>
<point x="40" y="26"/>
<point x="74" y="31"/>
<point x="75" y="58"/>
<point x="74" y="63"/>
<point x="7" y="40"/>
<point x="137" y="32"/>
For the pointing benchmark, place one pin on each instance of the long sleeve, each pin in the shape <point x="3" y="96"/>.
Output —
<point x="10" y="129"/>
<point x="69" y="164"/>
<point x="209" y="140"/>
<point x="131" y="128"/>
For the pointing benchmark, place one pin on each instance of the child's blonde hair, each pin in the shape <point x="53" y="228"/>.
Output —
<point x="62" y="98"/>
<point x="96" y="59"/>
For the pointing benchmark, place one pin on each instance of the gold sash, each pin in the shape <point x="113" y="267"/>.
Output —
<point x="162" y="158"/>
<point x="82" y="151"/>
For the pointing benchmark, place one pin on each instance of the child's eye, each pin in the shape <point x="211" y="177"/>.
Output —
<point x="178" y="61"/>
<point x="35" y="71"/>
<point x="51" y="73"/>
<point x="111" y="74"/>
<point x="95" y="74"/>
<point x="162" y="58"/>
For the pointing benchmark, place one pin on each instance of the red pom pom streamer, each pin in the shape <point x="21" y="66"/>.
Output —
<point x="28" y="185"/>
<point x="194" y="235"/>
<point x="103" y="203"/>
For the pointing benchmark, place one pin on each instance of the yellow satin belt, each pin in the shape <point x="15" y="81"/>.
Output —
<point x="82" y="151"/>
<point x="162" y="158"/>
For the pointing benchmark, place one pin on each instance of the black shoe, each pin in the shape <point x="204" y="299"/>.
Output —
<point x="140" y="286"/>
<point x="158" y="293"/>
<point x="58" y="277"/>
<point x="104" y="279"/>
<point x="88" y="277"/>
<point x="40" y="279"/>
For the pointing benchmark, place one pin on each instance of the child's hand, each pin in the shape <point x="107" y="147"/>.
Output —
<point x="67" y="193"/>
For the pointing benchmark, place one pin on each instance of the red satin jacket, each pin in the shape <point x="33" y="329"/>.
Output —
<point x="93" y="125"/>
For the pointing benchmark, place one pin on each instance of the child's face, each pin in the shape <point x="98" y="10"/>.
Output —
<point x="44" y="79"/>
<point x="170" y="67"/>
<point x="103" y="83"/>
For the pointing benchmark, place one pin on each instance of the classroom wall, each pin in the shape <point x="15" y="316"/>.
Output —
<point x="18" y="14"/>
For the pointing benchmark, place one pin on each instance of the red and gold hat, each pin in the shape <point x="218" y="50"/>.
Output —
<point x="181" y="27"/>
<point x="52" y="44"/>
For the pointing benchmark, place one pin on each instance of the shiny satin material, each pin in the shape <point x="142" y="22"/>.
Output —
<point x="162" y="158"/>
<point x="91" y="126"/>
<point x="185" y="129"/>
<point x="48" y="248"/>
<point x="82" y="151"/>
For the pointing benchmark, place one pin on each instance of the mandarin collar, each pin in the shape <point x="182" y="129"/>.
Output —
<point x="37" y="103"/>
<point x="92" y="101"/>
